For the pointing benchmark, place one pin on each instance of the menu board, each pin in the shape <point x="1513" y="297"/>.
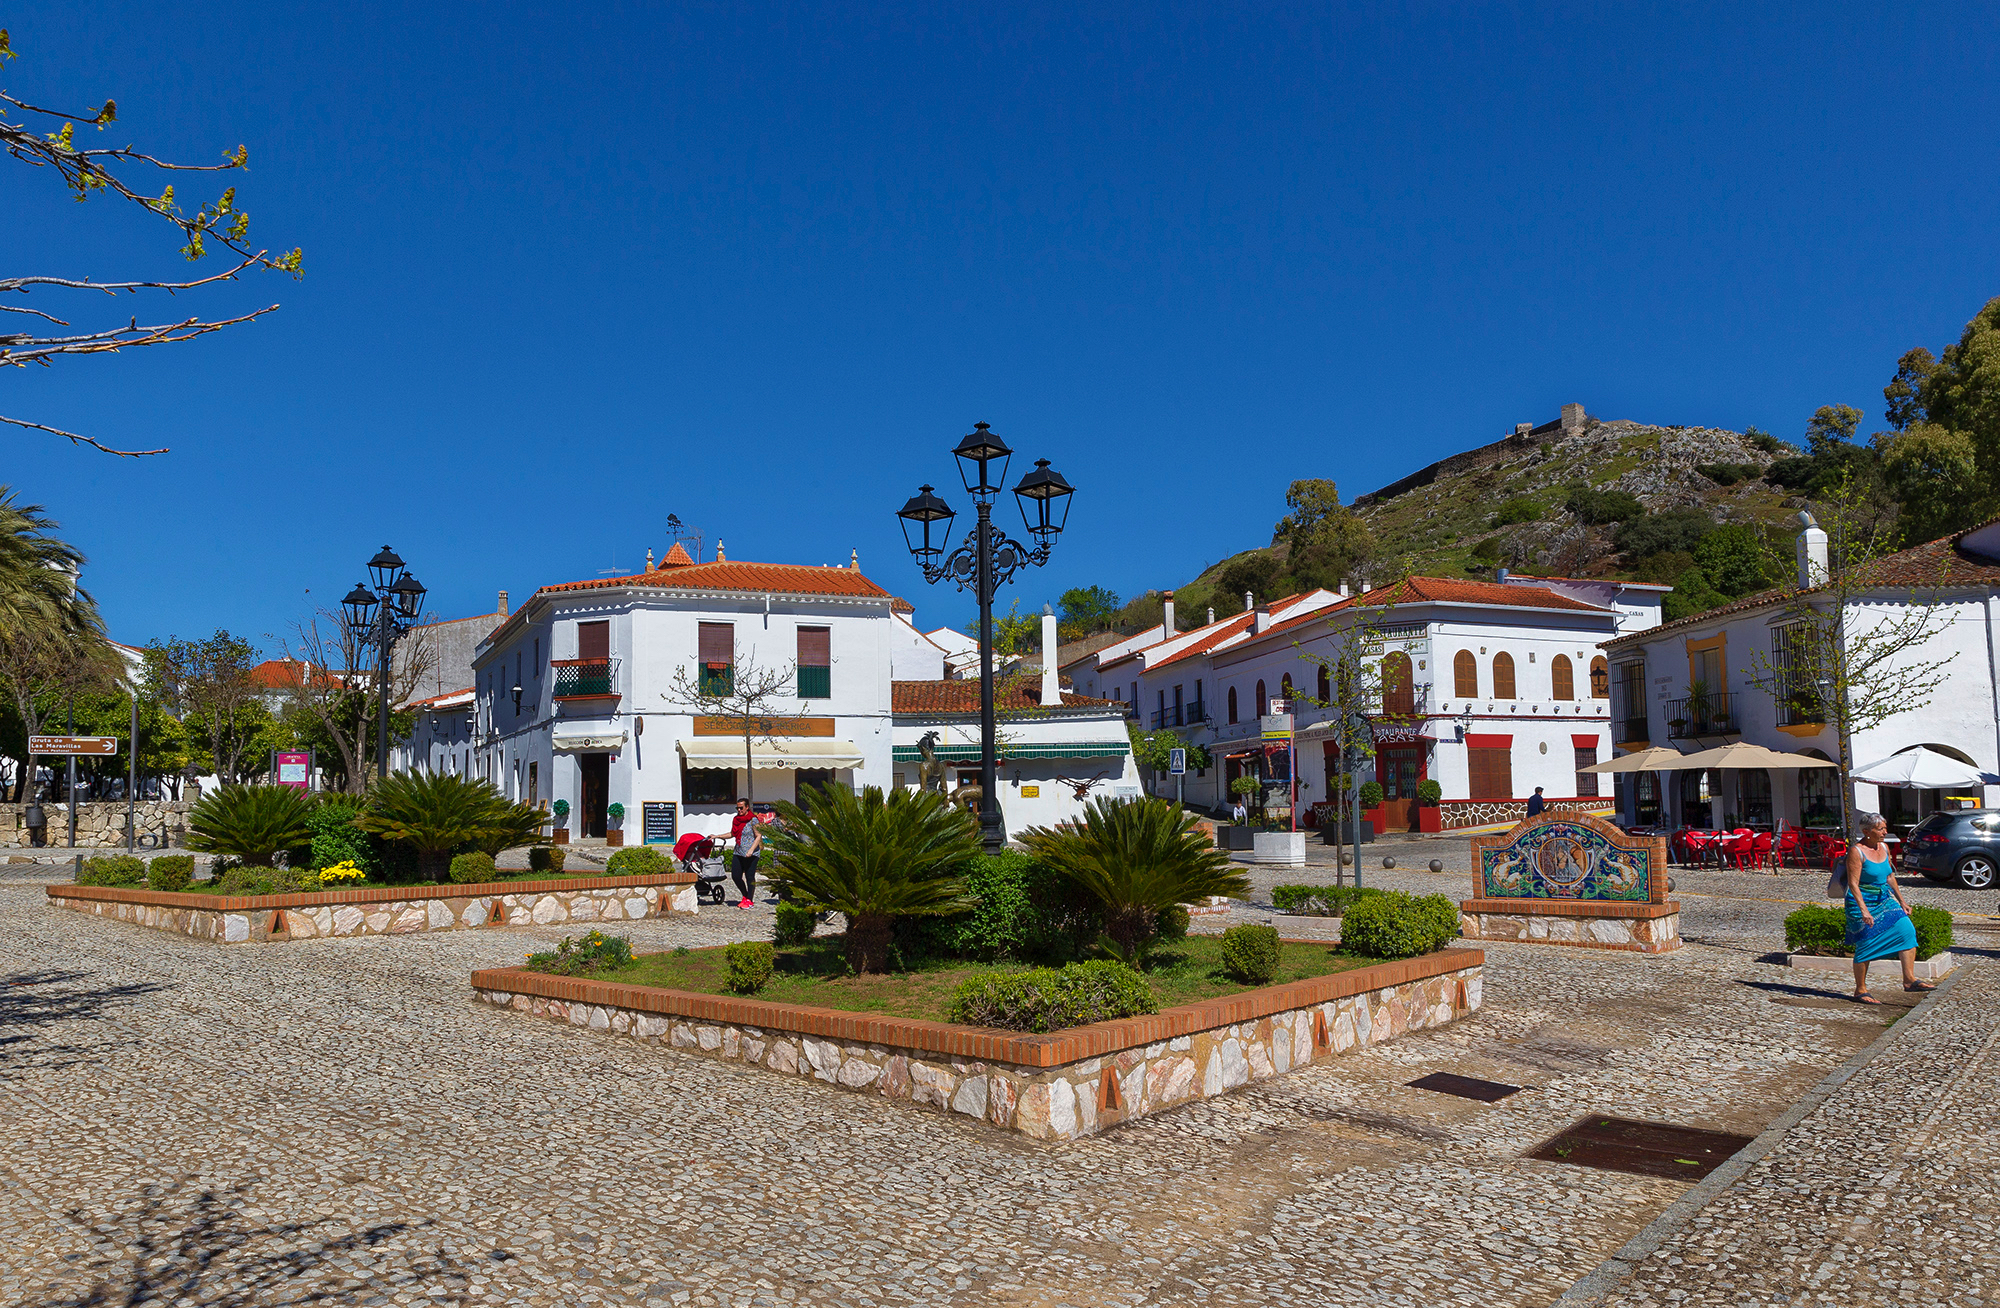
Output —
<point x="660" y="819"/>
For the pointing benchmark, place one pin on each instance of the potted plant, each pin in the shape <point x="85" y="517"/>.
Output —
<point x="561" y="809"/>
<point x="1250" y="790"/>
<point x="1371" y="806"/>
<point x="614" y="832"/>
<point x="1430" y="818"/>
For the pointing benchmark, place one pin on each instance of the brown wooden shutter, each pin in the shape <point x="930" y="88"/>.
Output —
<point x="1562" y="678"/>
<point x="1503" y="676"/>
<point x="593" y="640"/>
<point x="1490" y="767"/>
<point x="718" y="644"/>
<point x="815" y="647"/>
<point x="1465" y="675"/>
<point x="1399" y="691"/>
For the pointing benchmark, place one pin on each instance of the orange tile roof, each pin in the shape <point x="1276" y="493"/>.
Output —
<point x="426" y="703"/>
<point x="963" y="696"/>
<point x="789" y="578"/>
<point x="677" y="557"/>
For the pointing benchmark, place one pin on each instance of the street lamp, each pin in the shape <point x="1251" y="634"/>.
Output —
<point x="983" y="562"/>
<point x="381" y="618"/>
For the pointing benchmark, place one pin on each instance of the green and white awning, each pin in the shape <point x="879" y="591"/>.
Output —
<point x="1038" y="749"/>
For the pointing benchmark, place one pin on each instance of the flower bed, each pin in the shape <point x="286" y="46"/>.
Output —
<point x="385" y="910"/>
<point x="1059" y="1086"/>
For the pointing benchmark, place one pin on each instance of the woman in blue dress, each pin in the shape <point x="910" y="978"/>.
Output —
<point x="1878" y="917"/>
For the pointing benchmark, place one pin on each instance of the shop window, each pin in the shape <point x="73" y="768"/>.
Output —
<point x="708" y="785"/>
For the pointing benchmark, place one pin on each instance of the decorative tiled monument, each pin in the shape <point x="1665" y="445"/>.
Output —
<point x="1570" y="879"/>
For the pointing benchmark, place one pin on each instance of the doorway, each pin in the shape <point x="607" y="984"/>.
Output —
<point x="1398" y="768"/>
<point x="594" y="773"/>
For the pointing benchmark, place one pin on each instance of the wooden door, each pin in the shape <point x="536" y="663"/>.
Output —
<point x="594" y="771"/>
<point x="1398" y="768"/>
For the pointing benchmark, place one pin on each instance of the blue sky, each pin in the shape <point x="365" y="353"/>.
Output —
<point x="568" y="273"/>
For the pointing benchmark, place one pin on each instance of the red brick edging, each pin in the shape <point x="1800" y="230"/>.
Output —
<point x="364" y="895"/>
<point x="1636" y="910"/>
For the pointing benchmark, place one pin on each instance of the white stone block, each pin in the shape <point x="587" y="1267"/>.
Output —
<point x="235" y="928"/>
<point x="347" y="920"/>
<point x="548" y="909"/>
<point x="437" y="915"/>
<point x="971" y="1097"/>
<point x="1211" y="1077"/>
<point x="858" y="1072"/>
<point x="1062" y="1110"/>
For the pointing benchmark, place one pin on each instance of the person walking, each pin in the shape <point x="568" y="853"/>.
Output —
<point x="1878" y="917"/>
<point x="1536" y="803"/>
<point x="748" y="834"/>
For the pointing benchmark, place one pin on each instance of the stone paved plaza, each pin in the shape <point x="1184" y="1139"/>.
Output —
<point x="336" y="1121"/>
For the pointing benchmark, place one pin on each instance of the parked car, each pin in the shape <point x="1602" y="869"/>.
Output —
<point x="1961" y="847"/>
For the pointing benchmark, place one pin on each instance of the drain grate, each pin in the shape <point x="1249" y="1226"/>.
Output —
<point x="1617" y="1144"/>
<point x="1465" y="1087"/>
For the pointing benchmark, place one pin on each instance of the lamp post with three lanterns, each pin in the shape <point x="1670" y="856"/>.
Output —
<point x="986" y="560"/>
<point x="380" y="619"/>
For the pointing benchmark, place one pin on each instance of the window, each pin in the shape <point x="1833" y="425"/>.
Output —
<point x="1632" y="690"/>
<point x="1503" y="675"/>
<point x="1586" y="782"/>
<point x="1753" y="795"/>
<point x="1646" y="798"/>
<point x="534" y="785"/>
<point x="1232" y="703"/>
<point x="1490" y="765"/>
<point x="1464" y="675"/>
<point x="708" y="785"/>
<point x="1325" y="685"/>
<point x="1798" y="698"/>
<point x="1819" y="794"/>
<point x="809" y="780"/>
<point x="717" y="653"/>
<point x="1263" y="700"/>
<point x="1399" y="691"/>
<point x="1285" y="693"/>
<point x="593" y="640"/>
<point x="1562" y="681"/>
<point x="1600" y="679"/>
<point x="1696" y="794"/>
<point x="815" y="663"/>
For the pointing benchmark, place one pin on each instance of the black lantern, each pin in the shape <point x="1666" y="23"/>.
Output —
<point x="1049" y="494"/>
<point x="360" y="606"/>
<point x="517" y="699"/>
<point x="378" y="619"/>
<point x="926" y="509"/>
<point x="409" y="594"/>
<point x="385" y="568"/>
<point x="975" y="454"/>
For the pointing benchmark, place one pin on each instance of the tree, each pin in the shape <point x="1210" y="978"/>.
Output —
<point x="1015" y="633"/>
<point x="746" y="694"/>
<point x="1154" y="749"/>
<point x="44" y="672"/>
<point x="1326" y="541"/>
<point x="1933" y="472"/>
<point x="207" y="685"/>
<point x="331" y="695"/>
<point x="1856" y="664"/>
<point x="1952" y="405"/>
<point x="1086" y="609"/>
<point x="38" y="572"/>
<point x="1732" y="557"/>
<point x="94" y="172"/>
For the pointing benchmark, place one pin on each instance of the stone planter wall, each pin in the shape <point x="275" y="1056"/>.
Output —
<point x="386" y="910"/>
<point x="98" y="822"/>
<point x="1588" y="924"/>
<point x="1279" y="848"/>
<point x="1061" y="1086"/>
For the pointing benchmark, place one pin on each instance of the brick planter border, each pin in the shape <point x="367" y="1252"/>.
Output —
<point x="385" y="910"/>
<point x="1581" y="923"/>
<point x="1059" y="1086"/>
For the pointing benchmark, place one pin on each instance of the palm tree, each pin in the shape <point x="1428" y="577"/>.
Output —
<point x="38" y="590"/>
<point x="875" y="858"/>
<point x="436" y="813"/>
<point x="251" y="823"/>
<point x="1136" y="857"/>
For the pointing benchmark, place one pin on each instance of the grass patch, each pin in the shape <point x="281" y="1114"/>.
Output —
<point x="815" y="975"/>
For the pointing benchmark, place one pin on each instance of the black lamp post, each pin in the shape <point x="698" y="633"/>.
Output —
<point x="381" y="619"/>
<point x="983" y="562"/>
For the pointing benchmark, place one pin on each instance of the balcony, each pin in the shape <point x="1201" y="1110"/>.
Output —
<point x="1801" y="708"/>
<point x="1634" y="731"/>
<point x="1167" y="717"/>
<point x="1702" y="715"/>
<point x="585" y="678"/>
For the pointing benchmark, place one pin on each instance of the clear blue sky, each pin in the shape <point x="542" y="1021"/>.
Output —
<point x="570" y="272"/>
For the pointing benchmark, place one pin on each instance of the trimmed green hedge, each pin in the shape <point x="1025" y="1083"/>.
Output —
<point x="1053" y="998"/>
<point x="796" y="924"/>
<point x="637" y="861"/>
<point x="546" y="858"/>
<point x="472" y="869"/>
<point x="112" y="870"/>
<point x="1250" y="953"/>
<point x="1024" y="911"/>
<point x="1818" y="929"/>
<point x="1396" y="925"/>
<point x="749" y="963"/>
<point x="171" y="872"/>
<point x="1318" y="901"/>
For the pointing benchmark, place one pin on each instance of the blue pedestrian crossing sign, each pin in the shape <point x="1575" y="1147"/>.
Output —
<point x="1176" y="762"/>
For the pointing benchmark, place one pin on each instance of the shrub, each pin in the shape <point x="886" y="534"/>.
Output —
<point x="511" y="826"/>
<point x="1136" y="857"/>
<point x="1021" y="909"/>
<point x="638" y="861"/>
<point x="1765" y="441"/>
<point x="1488" y="550"/>
<point x="1371" y="794"/>
<point x="1429" y="792"/>
<point x="1052" y="998"/>
<point x="341" y="875"/>
<point x="547" y="858"/>
<point x="749" y="963"/>
<point x="335" y="838"/>
<point x="171" y="872"/>
<point x="1397" y="925"/>
<point x="1672" y="531"/>
<point x="796" y="924"/>
<point x="595" y="952"/>
<point x="874" y="857"/>
<point x="561" y="809"/>
<point x="112" y="870"/>
<point x="435" y="814"/>
<point x="1597" y="507"/>
<point x="1728" y="474"/>
<point x="1933" y="931"/>
<point x="1816" y="929"/>
<point x="1518" y="509"/>
<point x="1173" y="923"/>
<point x="472" y="869"/>
<point x="1318" y="901"/>
<point x="241" y="880"/>
<point x="251" y="823"/>
<point x="1250" y="953"/>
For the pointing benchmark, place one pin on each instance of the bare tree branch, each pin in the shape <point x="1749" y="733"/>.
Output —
<point x="112" y="288"/>
<point x="80" y="440"/>
<point x="746" y="695"/>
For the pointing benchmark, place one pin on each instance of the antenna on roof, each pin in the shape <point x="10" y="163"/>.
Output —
<point x="689" y="538"/>
<point x="614" y="570"/>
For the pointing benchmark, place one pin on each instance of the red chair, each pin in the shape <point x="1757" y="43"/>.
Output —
<point x="1789" y="846"/>
<point x="1760" y="850"/>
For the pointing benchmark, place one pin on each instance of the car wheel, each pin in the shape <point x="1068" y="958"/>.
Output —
<point x="1977" y="872"/>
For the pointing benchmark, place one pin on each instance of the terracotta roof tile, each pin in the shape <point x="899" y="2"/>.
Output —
<point x="677" y="557"/>
<point x="963" y="696"/>
<point x="789" y="578"/>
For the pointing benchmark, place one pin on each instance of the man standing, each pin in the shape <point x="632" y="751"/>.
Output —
<point x="1535" y="803"/>
<point x="745" y="830"/>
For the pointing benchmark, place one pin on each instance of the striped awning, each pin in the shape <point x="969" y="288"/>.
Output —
<point x="1058" y="749"/>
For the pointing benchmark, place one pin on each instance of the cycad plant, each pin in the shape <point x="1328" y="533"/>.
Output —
<point x="251" y="823"/>
<point x="1136" y="857"/>
<point x="874" y="858"/>
<point x="435" y="813"/>
<point x="511" y="826"/>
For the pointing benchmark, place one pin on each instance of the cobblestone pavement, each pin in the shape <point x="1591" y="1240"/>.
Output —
<point x="232" y="1125"/>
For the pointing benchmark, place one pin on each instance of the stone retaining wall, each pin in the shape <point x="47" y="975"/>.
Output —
<point x="1590" y="924"/>
<point x="1061" y="1086"/>
<point x="386" y="910"/>
<point x="1462" y="814"/>
<point x="98" y="822"/>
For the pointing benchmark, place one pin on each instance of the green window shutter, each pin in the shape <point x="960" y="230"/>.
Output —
<point x="815" y="683"/>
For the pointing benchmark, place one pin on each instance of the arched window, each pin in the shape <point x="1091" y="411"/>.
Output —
<point x="1503" y="676"/>
<point x="1464" y="675"/>
<point x="1263" y="701"/>
<point x="1600" y="679"/>
<point x="1325" y="685"/>
<point x="1285" y="693"/>
<point x="1399" y="692"/>
<point x="1232" y="703"/>
<point x="1562" y="679"/>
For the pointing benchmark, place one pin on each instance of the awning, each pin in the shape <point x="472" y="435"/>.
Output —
<point x="1653" y="758"/>
<point x="1922" y="768"/>
<point x="784" y="752"/>
<point x="591" y="737"/>
<point x="1038" y="749"/>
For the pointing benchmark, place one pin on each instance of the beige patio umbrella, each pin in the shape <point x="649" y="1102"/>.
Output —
<point x="1743" y="754"/>
<point x="1651" y="759"/>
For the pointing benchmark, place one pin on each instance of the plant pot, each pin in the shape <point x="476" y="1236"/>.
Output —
<point x="1233" y="837"/>
<point x="1342" y="833"/>
<point x="1374" y="818"/>
<point x="1430" y="820"/>
<point x="614" y="837"/>
<point x="1280" y="848"/>
<point x="561" y="836"/>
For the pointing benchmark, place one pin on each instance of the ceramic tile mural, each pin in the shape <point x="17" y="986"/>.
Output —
<point x="1557" y="858"/>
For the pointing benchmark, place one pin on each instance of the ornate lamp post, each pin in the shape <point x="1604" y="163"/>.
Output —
<point x="381" y="619"/>
<point x="983" y="562"/>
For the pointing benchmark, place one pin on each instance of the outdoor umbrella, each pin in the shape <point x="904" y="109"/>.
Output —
<point x="1743" y="754"/>
<point x="1651" y="759"/>
<point x="1921" y="769"/>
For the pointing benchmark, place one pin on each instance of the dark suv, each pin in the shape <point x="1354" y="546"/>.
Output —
<point x="1961" y="847"/>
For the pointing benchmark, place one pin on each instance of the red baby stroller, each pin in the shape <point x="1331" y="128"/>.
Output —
<point x="697" y="857"/>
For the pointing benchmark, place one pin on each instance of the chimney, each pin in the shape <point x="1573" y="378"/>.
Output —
<point x="1167" y="613"/>
<point x="1343" y="590"/>
<point x="1813" y="569"/>
<point x="1260" y="621"/>
<point x="1051" y="679"/>
<point x="718" y="552"/>
<point x="1500" y="575"/>
<point x="1367" y="586"/>
<point x="503" y="603"/>
<point x="1249" y="601"/>
<point x="1211" y="615"/>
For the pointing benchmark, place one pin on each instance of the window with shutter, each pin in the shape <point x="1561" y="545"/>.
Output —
<point x="1586" y="782"/>
<point x="593" y="640"/>
<point x="1399" y="691"/>
<point x="1464" y="675"/>
<point x="717" y="652"/>
<point x="1492" y="773"/>
<point x="1503" y="676"/>
<point x="815" y="662"/>
<point x="1562" y="678"/>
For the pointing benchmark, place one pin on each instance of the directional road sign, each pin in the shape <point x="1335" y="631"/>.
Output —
<point x="72" y="744"/>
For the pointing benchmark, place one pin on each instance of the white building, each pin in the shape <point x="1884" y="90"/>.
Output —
<point x="1688" y="685"/>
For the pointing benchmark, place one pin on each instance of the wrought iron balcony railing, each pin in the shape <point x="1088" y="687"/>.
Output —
<point x="1634" y="731"/>
<point x="1701" y="715"/>
<point x="584" y="678"/>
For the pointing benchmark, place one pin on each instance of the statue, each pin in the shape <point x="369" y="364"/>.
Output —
<point x="930" y="775"/>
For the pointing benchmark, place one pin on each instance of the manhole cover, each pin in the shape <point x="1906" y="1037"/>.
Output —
<point x="1647" y="1148"/>
<point x="1465" y="1087"/>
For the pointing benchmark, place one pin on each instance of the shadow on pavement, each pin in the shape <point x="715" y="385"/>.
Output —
<point x="32" y="1001"/>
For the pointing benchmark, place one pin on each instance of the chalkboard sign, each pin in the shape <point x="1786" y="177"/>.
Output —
<point x="661" y="819"/>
